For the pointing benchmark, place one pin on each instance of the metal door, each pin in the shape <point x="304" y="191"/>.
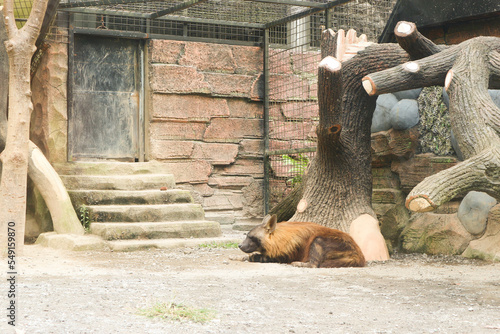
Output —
<point x="104" y="99"/>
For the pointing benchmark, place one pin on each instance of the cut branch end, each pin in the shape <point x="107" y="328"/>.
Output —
<point x="369" y="86"/>
<point x="411" y="67"/>
<point x="447" y="80"/>
<point x="330" y="64"/>
<point x="420" y="204"/>
<point x="404" y="28"/>
<point x="302" y="206"/>
<point x="328" y="33"/>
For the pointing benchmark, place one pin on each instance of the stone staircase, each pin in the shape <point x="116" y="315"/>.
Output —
<point x="134" y="202"/>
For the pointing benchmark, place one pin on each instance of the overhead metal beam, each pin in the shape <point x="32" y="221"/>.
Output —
<point x="110" y="33"/>
<point x="214" y="22"/>
<point x="292" y="3"/>
<point x="306" y="12"/>
<point x="113" y="12"/>
<point x="170" y="18"/>
<point x="91" y="3"/>
<point x="176" y="8"/>
<point x="141" y="35"/>
<point x="186" y="4"/>
<point x="312" y="8"/>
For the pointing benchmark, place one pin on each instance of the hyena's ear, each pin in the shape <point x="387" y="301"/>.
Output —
<point x="270" y="223"/>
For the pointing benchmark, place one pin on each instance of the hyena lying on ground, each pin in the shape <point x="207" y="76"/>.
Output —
<point x="301" y="244"/>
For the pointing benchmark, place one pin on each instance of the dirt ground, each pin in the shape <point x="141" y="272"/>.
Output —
<point x="101" y="292"/>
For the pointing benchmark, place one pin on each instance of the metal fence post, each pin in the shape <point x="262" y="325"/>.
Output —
<point x="266" y="120"/>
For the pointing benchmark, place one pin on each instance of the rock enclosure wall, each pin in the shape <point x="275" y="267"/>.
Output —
<point x="206" y="122"/>
<point x="204" y="119"/>
<point x="462" y="226"/>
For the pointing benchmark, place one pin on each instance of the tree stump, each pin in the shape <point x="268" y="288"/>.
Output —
<point x="337" y="187"/>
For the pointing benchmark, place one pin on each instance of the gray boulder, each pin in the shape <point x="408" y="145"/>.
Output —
<point x="473" y="211"/>
<point x="495" y="95"/>
<point x="410" y="94"/>
<point x="404" y="115"/>
<point x="488" y="246"/>
<point x="381" y="116"/>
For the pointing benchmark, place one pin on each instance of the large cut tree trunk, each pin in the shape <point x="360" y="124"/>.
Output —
<point x="338" y="184"/>
<point x="20" y="48"/>
<point x="337" y="188"/>
<point x="466" y="70"/>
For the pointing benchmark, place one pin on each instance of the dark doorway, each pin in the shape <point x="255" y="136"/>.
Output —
<point x="105" y="99"/>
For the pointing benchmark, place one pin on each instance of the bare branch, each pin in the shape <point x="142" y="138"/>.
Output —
<point x="10" y="20"/>
<point x="413" y="42"/>
<point x="328" y="43"/>
<point x="35" y="20"/>
<point x="477" y="173"/>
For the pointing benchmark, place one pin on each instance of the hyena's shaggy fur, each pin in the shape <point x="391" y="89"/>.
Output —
<point x="302" y="244"/>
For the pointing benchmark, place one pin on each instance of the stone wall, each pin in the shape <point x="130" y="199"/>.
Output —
<point x="206" y="122"/>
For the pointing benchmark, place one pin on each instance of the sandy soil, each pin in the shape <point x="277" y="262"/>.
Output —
<point x="101" y="292"/>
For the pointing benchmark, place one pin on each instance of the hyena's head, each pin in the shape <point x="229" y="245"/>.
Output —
<point x="256" y="238"/>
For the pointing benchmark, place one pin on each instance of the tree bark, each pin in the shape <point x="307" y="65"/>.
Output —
<point x="337" y="189"/>
<point x="413" y="42"/>
<point x="285" y="209"/>
<point x="466" y="70"/>
<point x="20" y="48"/>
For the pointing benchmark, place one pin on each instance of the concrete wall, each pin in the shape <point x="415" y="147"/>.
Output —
<point x="206" y="122"/>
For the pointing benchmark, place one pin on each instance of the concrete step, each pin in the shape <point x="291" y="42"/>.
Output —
<point x="120" y="182"/>
<point x="111" y="168"/>
<point x="135" y="245"/>
<point x="90" y="242"/>
<point x="146" y="213"/>
<point x="156" y="230"/>
<point x="122" y="197"/>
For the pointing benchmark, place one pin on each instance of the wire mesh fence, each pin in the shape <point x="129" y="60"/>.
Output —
<point x="294" y="31"/>
<point x="294" y="54"/>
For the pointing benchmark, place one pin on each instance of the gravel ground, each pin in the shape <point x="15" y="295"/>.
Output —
<point x="101" y="292"/>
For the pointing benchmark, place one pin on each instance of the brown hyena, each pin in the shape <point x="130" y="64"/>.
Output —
<point x="301" y="244"/>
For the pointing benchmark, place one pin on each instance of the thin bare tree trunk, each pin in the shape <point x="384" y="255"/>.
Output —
<point x="20" y="48"/>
